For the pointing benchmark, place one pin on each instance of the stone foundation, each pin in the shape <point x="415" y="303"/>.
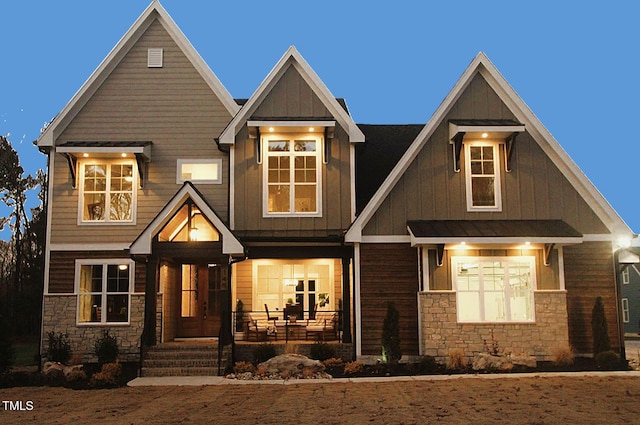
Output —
<point x="442" y="333"/>
<point x="60" y="316"/>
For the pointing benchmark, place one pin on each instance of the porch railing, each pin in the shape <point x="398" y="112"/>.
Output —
<point x="288" y="324"/>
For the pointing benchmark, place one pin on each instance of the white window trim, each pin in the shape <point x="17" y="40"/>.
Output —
<point x="626" y="276"/>
<point x="134" y="198"/>
<point x="497" y="170"/>
<point x="181" y="162"/>
<point x="531" y="259"/>
<point x="265" y="174"/>
<point x="625" y="310"/>
<point x="323" y="262"/>
<point x="103" y="262"/>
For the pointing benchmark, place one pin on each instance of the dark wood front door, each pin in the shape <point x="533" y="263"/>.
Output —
<point x="203" y="291"/>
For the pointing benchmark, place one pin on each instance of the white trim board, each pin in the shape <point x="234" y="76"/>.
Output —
<point x="483" y="66"/>
<point x="153" y="12"/>
<point x="292" y="58"/>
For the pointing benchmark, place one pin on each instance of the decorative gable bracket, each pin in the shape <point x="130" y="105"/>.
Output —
<point x="71" y="150"/>
<point x="548" y="247"/>
<point x="499" y="129"/>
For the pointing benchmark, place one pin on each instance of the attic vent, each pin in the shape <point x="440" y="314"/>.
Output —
<point x="154" y="58"/>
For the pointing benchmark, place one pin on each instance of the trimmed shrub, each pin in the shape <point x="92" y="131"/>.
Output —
<point x="601" y="340"/>
<point x="107" y="377"/>
<point x="321" y="351"/>
<point x="106" y="348"/>
<point x="607" y="360"/>
<point x="58" y="347"/>
<point x="263" y="352"/>
<point x="391" y="351"/>
<point x="426" y="365"/>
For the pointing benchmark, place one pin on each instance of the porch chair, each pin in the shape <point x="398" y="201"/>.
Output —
<point x="269" y="316"/>
<point x="324" y="324"/>
<point x="260" y="327"/>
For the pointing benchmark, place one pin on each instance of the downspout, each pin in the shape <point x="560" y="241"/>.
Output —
<point x="46" y="151"/>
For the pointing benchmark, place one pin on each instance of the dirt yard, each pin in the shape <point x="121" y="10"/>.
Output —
<point x="531" y="400"/>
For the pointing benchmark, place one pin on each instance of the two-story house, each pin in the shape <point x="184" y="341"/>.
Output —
<point x="170" y="201"/>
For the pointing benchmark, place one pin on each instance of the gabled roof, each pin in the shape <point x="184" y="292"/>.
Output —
<point x="154" y="12"/>
<point x="385" y="145"/>
<point x="483" y="66"/>
<point x="230" y="244"/>
<point x="292" y="57"/>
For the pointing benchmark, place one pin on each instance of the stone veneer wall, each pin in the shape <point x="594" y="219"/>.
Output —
<point x="441" y="331"/>
<point x="60" y="316"/>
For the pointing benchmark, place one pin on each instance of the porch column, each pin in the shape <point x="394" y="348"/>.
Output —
<point x="150" y="302"/>
<point x="346" y="300"/>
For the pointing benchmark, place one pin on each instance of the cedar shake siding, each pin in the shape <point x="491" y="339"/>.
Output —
<point x="388" y="272"/>
<point x="173" y="107"/>
<point x="62" y="269"/>
<point x="589" y="273"/>
<point x="431" y="190"/>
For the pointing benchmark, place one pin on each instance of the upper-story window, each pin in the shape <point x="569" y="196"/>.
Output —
<point x="201" y="171"/>
<point x="292" y="175"/>
<point x="107" y="192"/>
<point x="482" y="176"/>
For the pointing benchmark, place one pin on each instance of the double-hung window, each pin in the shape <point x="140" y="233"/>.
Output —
<point x="292" y="175"/>
<point x="107" y="192"/>
<point x="104" y="290"/>
<point x="494" y="289"/>
<point x="482" y="176"/>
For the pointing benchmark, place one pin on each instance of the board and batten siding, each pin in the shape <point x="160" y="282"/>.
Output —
<point x="292" y="97"/>
<point x="431" y="190"/>
<point x="590" y="273"/>
<point x="388" y="272"/>
<point x="172" y="107"/>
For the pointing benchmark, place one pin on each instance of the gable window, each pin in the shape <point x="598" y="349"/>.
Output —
<point x="107" y="192"/>
<point x="104" y="290"/>
<point x="292" y="175"/>
<point x="201" y="171"/>
<point x="625" y="276"/>
<point x="494" y="289"/>
<point x="482" y="176"/>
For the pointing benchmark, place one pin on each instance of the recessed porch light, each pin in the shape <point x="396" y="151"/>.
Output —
<point x="311" y="129"/>
<point x="271" y="129"/>
<point x="86" y="155"/>
<point x="485" y="135"/>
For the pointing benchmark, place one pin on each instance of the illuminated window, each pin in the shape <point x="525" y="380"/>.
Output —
<point x="201" y="171"/>
<point x="304" y="284"/>
<point x="482" y="176"/>
<point x="107" y="192"/>
<point x="494" y="289"/>
<point x="104" y="289"/>
<point x="292" y="175"/>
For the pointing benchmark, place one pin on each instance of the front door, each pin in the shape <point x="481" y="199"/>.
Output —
<point x="203" y="292"/>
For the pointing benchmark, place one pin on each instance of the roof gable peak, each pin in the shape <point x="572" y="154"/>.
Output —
<point x="153" y="12"/>
<point x="292" y="57"/>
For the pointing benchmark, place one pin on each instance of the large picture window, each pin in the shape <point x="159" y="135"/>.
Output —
<point x="306" y="285"/>
<point x="107" y="192"/>
<point x="494" y="289"/>
<point x="292" y="175"/>
<point x="104" y="289"/>
<point x="482" y="176"/>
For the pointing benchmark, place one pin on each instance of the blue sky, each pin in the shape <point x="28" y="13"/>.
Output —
<point x="576" y="66"/>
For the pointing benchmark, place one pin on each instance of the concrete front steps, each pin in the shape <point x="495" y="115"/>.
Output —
<point x="185" y="358"/>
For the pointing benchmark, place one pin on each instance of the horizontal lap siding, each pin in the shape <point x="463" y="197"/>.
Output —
<point x="173" y="107"/>
<point x="62" y="269"/>
<point x="388" y="272"/>
<point x="589" y="273"/>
